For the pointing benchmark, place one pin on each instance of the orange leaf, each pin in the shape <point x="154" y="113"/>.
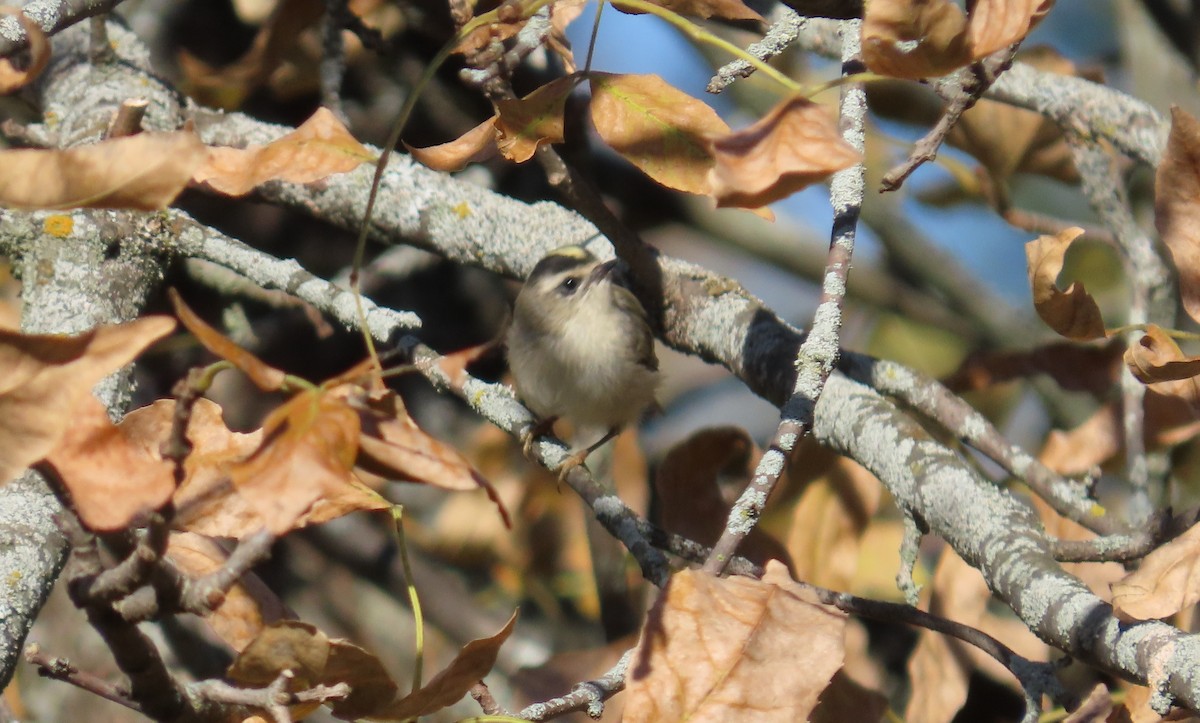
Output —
<point x="473" y="662"/>
<point x="248" y="607"/>
<point x="1072" y="313"/>
<point x="710" y="645"/>
<point x="43" y="379"/>
<point x="663" y="131"/>
<point x="1166" y="581"/>
<point x="266" y="378"/>
<point x="1157" y="358"/>
<point x="319" y="148"/>
<point x="392" y="445"/>
<point x="39" y="54"/>
<point x="522" y="125"/>
<point x="928" y="38"/>
<point x="474" y="146"/>
<point x="143" y="172"/>
<point x="1176" y="209"/>
<point x="112" y="480"/>
<point x="727" y="9"/>
<point x="796" y="145"/>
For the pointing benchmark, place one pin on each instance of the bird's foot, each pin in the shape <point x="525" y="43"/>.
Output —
<point x="535" y="430"/>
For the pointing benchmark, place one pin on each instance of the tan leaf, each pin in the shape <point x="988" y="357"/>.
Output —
<point x="44" y="377"/>
<point x="928" y="38"/>
<point x="1176" y="208"/>
<point x="393" y="446"/>
<point x="112" y="480"/>
<point x="664" y="132"/>
<point x="522" y="125"/>
<point x="265" y="377"/>
<point x="719" y="649"/>
<point x="300" y="475"/>
<point x="39" y="54"/>
<point x="320" y="147"/>
<point x="1074" y="367"/>
<point x="726" y="9"/>
<point x="796" y="145"/>
<point x="1088" y="445"/>
<point x="1157" y="358"/>
<point x="474" y="146"/>
<point x="144" y="172"/>
<point x="471" y="664"/>
<point x="1072" y="313"/>
<point x="828" y="524"/>
<point x="249" y="606"/>
<point x="371" y="686"/>
<point x="229" y="86"/>
<point x="690" y="498"/>
<point x="1167" y="581"/>
<point x="289" y="645"/>
<point x="562" y="14"/>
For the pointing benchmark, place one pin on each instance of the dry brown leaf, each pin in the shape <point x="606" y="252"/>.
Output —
<point x="265" y="377"/>
<point x="1072" y="313"/>
<point x="300" y="475"/>
<point x="1095" y="708"/>
<point x="661" y="130"/>
<point x="828" y="523"/>
<point x="1085" y="447"/>
<point x="522" y="125"/>
<point x="928" y="38"/>
<point x="726" y="9"/>
<point x="1167" y="581"/>
<point x="44" y="377"/>
<point x="1176" y="204"/>
<point x="724" y="649"/>
<point x="371" y="686"/>
<point x="112" y="480"/>
<point x="471" y="664"/>
<point x="286" y="645"/>
<point x="144" y="172"/>
<point x="1008" y="140"/>
<point x="229" y="86"/>
<point x="690" y="499"/>
<point x="562" y="14"/>
<point x="847" y="700"/>
<point x="1157" y="358"/>
<point x="1074" y="367"/>
<point x="320" y="147"/>
<point x="11" y="78"/>
<point x="248" y="607"/>
<point x="474" y="146"/>
<point x="796" y="145"/>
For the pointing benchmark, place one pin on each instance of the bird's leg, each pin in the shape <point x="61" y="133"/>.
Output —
<point x="535" y="430"/>
<point x="580" y="457"/>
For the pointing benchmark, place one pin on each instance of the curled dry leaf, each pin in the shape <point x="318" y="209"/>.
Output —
<point x="661" y="130"/>
<point x="1167" y="581"/>
<point x="39" y="54"/>
<point x="1157" y="358"/>
<point x="725" y="9"/>
<point x="471" y="664"/>
<point x="690" y="498"/>
<point x="392" y="445"/>
<point x="112" y="480"/>
<point x="522" y="125"/>
<point x="144" y="172"/>
<point x="795" y="145"/>
<point x="265" y="377"/>
<point x="1176" y="205"/>
<point x="474" y="146"/>
<point x="317" y="149"/>
<point x="43" y="378"/>
<point x="1074" y="367"/>
<point x="722" y="649"/>
<point x="928" y="38"/>
<point x="1072" y="313"/>
<point x="247" y="608"/>
<point x="562" y="14"/>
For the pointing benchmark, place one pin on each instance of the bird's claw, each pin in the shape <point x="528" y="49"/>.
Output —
<point x="530" y="436"/>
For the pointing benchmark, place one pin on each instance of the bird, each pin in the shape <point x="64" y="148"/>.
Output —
<point x="580" y="347"/>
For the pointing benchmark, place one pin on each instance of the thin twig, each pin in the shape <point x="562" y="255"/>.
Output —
<point x="587" y="696"/>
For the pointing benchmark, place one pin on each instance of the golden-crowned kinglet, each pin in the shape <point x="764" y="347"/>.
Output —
<point x="580" y="346"/>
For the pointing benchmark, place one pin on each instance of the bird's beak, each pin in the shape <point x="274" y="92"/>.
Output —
<point x="602" y="271"/>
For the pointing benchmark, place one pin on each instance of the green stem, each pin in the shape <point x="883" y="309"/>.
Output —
<point x="413" y="598"/>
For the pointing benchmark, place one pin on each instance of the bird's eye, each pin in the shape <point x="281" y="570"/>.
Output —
<point x="568" y="285"/>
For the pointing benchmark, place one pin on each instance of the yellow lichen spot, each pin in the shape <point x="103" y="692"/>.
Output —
<point x="1097" y="510"/>
<point x="463" y="209"/>
<point x="477" y="398"/>
<point x="58" y="225"/>
<point x="14" y="578"/>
